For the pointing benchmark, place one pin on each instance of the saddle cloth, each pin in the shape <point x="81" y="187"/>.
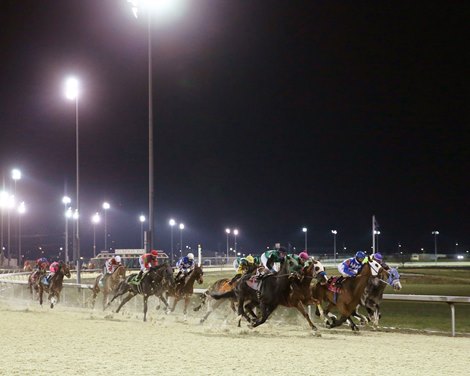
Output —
<point x="331" y="285"/>
<point x="253" y="282"/>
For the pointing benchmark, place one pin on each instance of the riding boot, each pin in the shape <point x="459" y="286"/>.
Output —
<point x="237" y="276"/>
<point x="139" y="276"/>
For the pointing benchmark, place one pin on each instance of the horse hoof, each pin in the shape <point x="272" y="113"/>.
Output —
<point x="316" y="334"/>
<point x="52" y="305"/>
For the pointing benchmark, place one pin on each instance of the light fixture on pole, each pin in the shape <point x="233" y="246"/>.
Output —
<point x="376" y="234"/>
<point x="106" y="207"/>
<point x="235" y="234"/>
<point x="66" y="201"/>
<point x="181" y="238"/>
<point x="227" y="231"/>
<point x="304" y="230"/>
<point x="334" y="232"/>
<point x="71" y="92"/>
<point x="435" y="233"/>
<point x="21" y="211"/>
<point x="95" y="219"/>
<point x="172" y="224"/>
<point x="142" y="220"/>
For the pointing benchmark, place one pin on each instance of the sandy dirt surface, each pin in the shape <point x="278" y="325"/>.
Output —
<point x="75" y="341"/>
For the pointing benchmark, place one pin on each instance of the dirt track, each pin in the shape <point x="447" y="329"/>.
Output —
<point x="68" y="341"/>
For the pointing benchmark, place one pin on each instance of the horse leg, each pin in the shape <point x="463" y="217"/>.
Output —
<point x="300" y="307"/>
<point x="249" y="308"/>
<point x="210" y="310"/>
<point x="241" y="311"/>
<point x="266" y="310"/>
<point x="119" y="292"/>
<point x="125" y="300"/>
<point x="201" y="303"/>
<point x="40" y="294"/>
<point x="363" y="319"/>
<point x="185" y="311"/>
<point x="145" y="307"/>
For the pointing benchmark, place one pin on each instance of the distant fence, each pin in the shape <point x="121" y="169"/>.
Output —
<point x="18" y="279"/>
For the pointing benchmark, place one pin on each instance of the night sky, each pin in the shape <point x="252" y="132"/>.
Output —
<point x="269" y="116"/>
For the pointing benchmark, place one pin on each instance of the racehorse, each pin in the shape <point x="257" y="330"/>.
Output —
<point x="289" y="290"/>
<point x="110" y="283"/>
<point x="218" y="287"/>
<point x="152" y="283"/>
<point x="184" y="289"/>
<point x="347" y="300"/>
<point x="55" y="284"/>
<point x="373" y="294"/>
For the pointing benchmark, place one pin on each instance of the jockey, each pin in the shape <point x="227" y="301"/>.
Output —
<point x="301" y="259"/>
<point x="351" y="266"/>
<point x="268" y="258"/>
<point x="53" y="268"/>
<point x="42" y="264"/>
<point x="185" y="265"/>
<point x="111" y="265"/>
<point x="247" y="265"/>
<point x="146" y="261"/>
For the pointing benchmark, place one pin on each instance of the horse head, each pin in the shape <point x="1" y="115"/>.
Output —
<point x="375" y="267"/>
<point x="64" y="269"/>
<point x="168" y="277"/>
<point x="394" y="279"/>
<point x="198" y="274"/>
<point x="318" y="270"/>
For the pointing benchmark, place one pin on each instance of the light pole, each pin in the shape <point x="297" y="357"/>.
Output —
<point x="15" y="176"/>
<point x="142" y="220"/>
<point x="235" y="234"/>
<point x="435" y="233"/>
<point x="66" y="201"/>
<point x="377" y="233"/>
<point x="334" y="232"/>
<point x="68" y="214"/>
<point x="21" y="211"/>
<point x="181" y="238"/>
<point x="71" y="92"/>
<point x="157" y="8"/>
<point x="95" y="219"/>
<point x="227" y="231"/>
<point x="106" y="207"/>
<point x="304" y="230"/>
<point x="3" y="204"/>
<point x="75" y="217"/>
<point x="172" y="224"/>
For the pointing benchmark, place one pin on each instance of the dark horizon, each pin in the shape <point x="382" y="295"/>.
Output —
<point x="267" y="119"/>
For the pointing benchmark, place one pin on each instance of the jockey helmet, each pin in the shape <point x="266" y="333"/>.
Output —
<point x="377" y="257"/>
<point x="360" y="255"/>
<point x="243" y="261"/>
<point x="303" y="255"/>
<point x="250" y="259"/>
<point x="118" y="258"/>
<point x="190" y="256"/>
<point x="282" y="250"/>
<point x="256" y="260"/>
<point x="154" y="253"/>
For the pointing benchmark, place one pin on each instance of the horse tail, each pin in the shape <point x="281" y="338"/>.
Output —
<point x="225" y="295"/>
